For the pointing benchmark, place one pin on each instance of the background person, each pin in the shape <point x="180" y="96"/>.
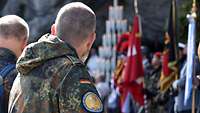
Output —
<point x="14" y="33"/>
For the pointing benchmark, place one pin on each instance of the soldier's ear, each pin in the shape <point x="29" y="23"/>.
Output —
<point x="91" y="39"/>
<point x="53" y="29"/>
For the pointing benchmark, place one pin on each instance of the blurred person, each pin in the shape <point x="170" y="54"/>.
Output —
<point x="151" y="86"/>
<point x="145" y="60"/>
<point x="156" y="61"/>
<point x="44" y="12"/>
<point x="34" y="12"/>
<point x="14" y="33"/>
<point x="179" y="84"/>
<point x="93" y="61"/>
<point x="114" y="96"/>
<point x="102" y="86"/>
<point x="103" y="89"/>
<point x="182" y="53"/>
<point x="52" y="75"/>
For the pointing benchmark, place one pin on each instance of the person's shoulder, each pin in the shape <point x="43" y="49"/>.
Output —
<point x="58" y="69"/>
<point x="65" y="60"/>
<point x="77" y="66"/>
<point x="64" y="65"/>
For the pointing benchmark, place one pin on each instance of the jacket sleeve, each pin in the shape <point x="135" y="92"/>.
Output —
<point x="9" y="79"/>
<point x="78" y="94"/>
<point x="8" y="82"/>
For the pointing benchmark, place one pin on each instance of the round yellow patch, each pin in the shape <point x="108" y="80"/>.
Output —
<point x="92" y="102"/>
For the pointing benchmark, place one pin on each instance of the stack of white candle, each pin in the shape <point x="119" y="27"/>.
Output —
<point x="115" y="26"/>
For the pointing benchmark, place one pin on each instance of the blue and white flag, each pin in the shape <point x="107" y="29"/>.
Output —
<point x="190" y="71"/>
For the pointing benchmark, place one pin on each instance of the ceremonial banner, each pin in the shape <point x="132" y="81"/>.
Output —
<point x="133" y="73"/>
<point x="190" y="71"/>
<point x="169" y="57"/>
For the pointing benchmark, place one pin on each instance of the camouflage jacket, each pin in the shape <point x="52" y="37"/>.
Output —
<point x="6" y="56"/>
<point x="52" y="79"/>
<point x="151" y="82"/>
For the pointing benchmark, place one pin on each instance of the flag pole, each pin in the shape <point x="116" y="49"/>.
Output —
<point x="145" y="96"/>
<point x="194" y="15"/>
<point x="174" y="26"/>
<point x="193" y="99"/>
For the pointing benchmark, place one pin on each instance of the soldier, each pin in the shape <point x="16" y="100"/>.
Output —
<point x="151" y="85"/>
<point x="14" y="32"/>
<point x="52" y="75"/>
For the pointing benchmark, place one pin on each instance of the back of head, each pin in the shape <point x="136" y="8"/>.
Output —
<point x="12" y="26"/>
<point x="75" y="22"/>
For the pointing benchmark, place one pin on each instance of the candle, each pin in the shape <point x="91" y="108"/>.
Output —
<point x="118" y="26"/>
<point x="108" y="76"/>
<point x="105" y="52"/>
<point x="108" y="26"/>
<point x="104" y="40"/>
<point x="109" y="37"/>
<point x="107" y="65"/>
<point x="114" y="40"/>
<point x="120" y="12"/>
<point x="111" y="12"/>
<point x="115" y="2"/>
<point x="124" y="26"/>
<point x="108" y="52"/>
<point x="113" y="60"/>
<point x="103" y="66"/>
<point x="114" y="52"/>
<point x="112" y="26"/>
<point x="100" y="51"/>
<point x="116" y="12"/>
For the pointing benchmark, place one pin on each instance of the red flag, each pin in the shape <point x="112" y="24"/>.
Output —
<point x="165" y="61"/>
<point x="122" y="46"/>
<point x="133" y="72"/>
<point x="134" y="68"/>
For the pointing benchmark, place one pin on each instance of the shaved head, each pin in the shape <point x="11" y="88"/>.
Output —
<point x="75" y="22"/>
<point x="13" y="26"/>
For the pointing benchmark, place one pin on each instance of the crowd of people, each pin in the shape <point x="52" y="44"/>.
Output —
<point x="156" y="101"/>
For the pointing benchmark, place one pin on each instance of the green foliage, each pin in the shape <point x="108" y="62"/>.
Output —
<point x="184" y="9"/>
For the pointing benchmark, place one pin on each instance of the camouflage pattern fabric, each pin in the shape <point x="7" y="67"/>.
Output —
<point x="154" y="96"/>
<point x="52" y="79"/>
<point x="7" y="56"/>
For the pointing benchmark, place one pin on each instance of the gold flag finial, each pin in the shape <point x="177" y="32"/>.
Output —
<point x="194" y="9"/>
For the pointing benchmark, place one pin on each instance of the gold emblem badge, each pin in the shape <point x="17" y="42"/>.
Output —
<point x="92" y="102"/>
